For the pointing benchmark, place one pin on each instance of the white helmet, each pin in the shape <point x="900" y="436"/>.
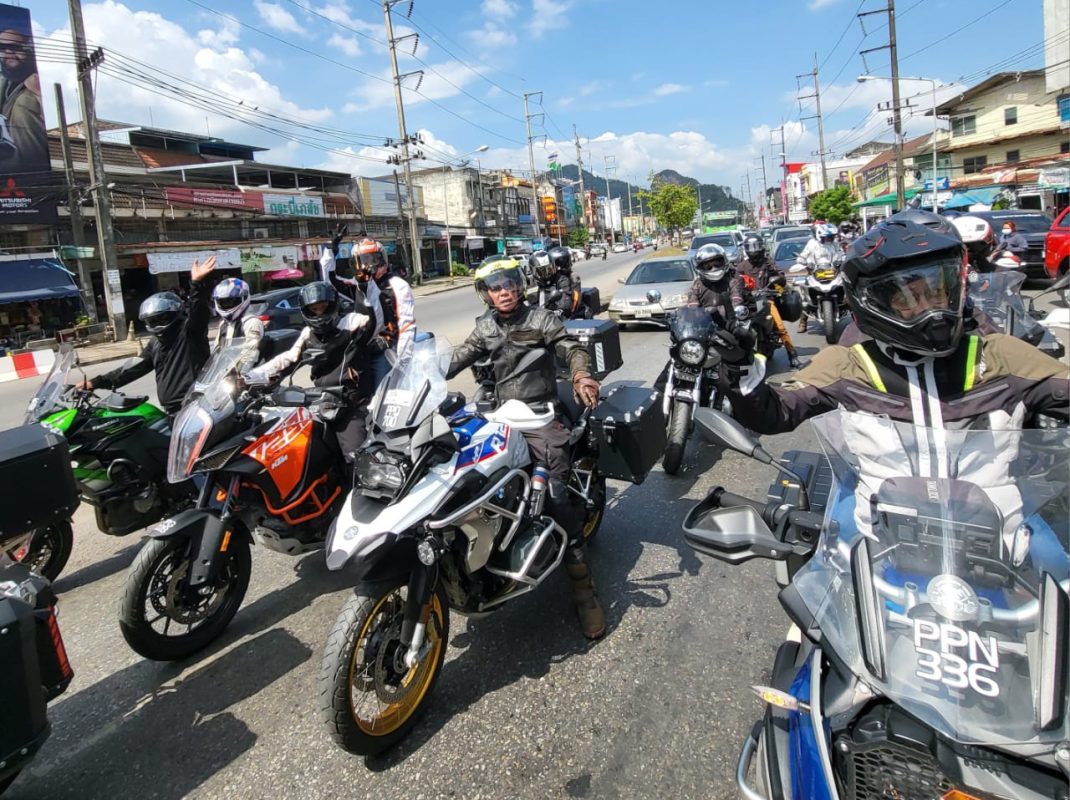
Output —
<point x="230" y="298"/>
<point x="974" y="229"/>
<point x="827" y="231"/>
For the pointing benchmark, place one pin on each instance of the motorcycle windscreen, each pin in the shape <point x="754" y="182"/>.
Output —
<point x="998" y="295"/>
<point x="46" y="399"/>
<point x="415" y="387"/>
<point x="691" y="322"/>
<point x="941" y="575"/>
<point x="209" y="399"/>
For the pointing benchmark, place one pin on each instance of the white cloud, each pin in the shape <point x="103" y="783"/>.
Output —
<point x="669" y="88"/>
<point x="547" y="15"/>
<point x="565" y="102"/>
<point x="223" y="37"/>
<point x="347" y="44"/>
<point x="499" y="9"/>
<point x="490" y="36"/>
<point x="441" y="83"/>
<point x="816" y="5"/>
<point x="590" y="88"/>
<point x="277" y="17"/>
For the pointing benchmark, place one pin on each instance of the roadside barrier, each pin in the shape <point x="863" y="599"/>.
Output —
<point x="26" y="364"/>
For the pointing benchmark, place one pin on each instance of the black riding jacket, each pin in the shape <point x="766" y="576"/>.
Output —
<point x="521" y="349"/>
<point x="177" y="355"/>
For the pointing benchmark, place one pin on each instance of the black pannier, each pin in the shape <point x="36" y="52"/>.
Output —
<point x="601" y="339"/>
<point x="629" y="427"/>
<point x="35" y="470"/>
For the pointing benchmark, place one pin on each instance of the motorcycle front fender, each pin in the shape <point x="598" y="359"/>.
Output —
<point x="208" y="540"/>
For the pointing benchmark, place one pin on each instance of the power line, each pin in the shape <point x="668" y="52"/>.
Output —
<point x="947" y="36"/>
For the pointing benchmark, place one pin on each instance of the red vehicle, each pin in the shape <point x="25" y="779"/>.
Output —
<point x="1057" y="246"/>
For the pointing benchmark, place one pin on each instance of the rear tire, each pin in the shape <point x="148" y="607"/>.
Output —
<point x="828" y="320"/>
<point x="676" y="440"/>
<point x="595" y="512"/>
<point x="48" y="550"/>
<point x="367" y="634"/>
<point x="150" y="590"/>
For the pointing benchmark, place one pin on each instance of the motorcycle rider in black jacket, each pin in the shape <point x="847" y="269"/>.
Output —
<point x="757" y="266"/>
<point x="553" y="274"/>
<point x="179" y="347"/>
<point x="508" y="334"/>
<point x="716" y="288"/>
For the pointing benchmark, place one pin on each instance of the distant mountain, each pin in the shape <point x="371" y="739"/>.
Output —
<point x="714" y="197"/>
<point x="596" y="183"/>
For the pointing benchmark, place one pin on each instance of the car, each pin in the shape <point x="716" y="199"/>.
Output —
<point x="597" y="248"/>
<point x="1057" y="246"/>
<point x="729" y="240"/>
<point x="787" y="252"/>
<point x="577" y="255"/>
<point x="790" y="232"/>
<point x="280" y="309"/>
<point x="620" y="247"/>
<point x="1033" y="225"/>
<point x="670" y="276"/>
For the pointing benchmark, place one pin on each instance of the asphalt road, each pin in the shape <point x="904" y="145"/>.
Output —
<point x="524" y="708"/>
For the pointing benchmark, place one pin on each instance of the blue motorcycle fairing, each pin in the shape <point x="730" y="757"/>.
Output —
<point x="807" y="772"/>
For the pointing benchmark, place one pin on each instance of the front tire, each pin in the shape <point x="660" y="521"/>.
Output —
<point x="156" y="590"/>
<point x="368" y="699"/>
<point x="676" y="439"/>
<point x="828" y="320"/>
<point x="47" y="551"/>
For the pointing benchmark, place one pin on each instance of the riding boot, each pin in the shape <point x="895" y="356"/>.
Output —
<point x="793" y="358"/>
<point x="588" y="609"/>
<point x="802" y="324"/>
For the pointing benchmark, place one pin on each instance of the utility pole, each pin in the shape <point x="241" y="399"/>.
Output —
<point x="609" y="200"/>
<point x="820" y="123"/>
<point x="630" y="212"/>
<point x="531" y="161"/>
<point x="897" y="117"/>
<point x="750" y="194"/>
<point x="414" y="238"/>
<point x="74" y="206"/>
<point x="583" y="193"/>
<point x="784" y="173"/>
<point x="113" y="287"/>
<point x="765" y="186"/>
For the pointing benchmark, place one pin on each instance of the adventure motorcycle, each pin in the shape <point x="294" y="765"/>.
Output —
<point x="822" y="292"/>
<point x="927" y="571"/>
<point x="268" y="472"/>
<point x="582" y="303"/>
<point x="118" y="446"/>
<point x="446" y="514"/>
<point x="1056" y="321"/>
<point x="34" y="669"/>
<point x="997" y="295"/>
<point x="756" y="317"/>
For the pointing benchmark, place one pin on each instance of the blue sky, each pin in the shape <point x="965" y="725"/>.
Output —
<point x="695" y="86"/>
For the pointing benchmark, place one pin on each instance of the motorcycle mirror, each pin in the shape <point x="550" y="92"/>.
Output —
<point x="620" y="280"/>
<point x="653" y="296"/>
<point x="723" y="430"/>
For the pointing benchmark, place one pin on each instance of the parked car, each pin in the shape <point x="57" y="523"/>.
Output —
<point x="1057" y="246"/>
<point x="787" y="252"/>
<point x="597" y="248"/>
<point x="729" y="240"/>
<point x="670" y="276"/>
<point x="620" y="247"/>
<point x="1033" y="225"/>
<point x="280" y="309"/>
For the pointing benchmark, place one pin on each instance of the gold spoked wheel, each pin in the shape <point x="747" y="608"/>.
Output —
<point x="586" y="480"/>
<point x="372" y="696"/>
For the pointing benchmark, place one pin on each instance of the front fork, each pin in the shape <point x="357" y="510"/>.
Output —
<point x="417" y="613"/>
<point x="208" y="551"/>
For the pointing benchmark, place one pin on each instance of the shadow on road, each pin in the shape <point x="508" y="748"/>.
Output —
<point x="117" y="562"/>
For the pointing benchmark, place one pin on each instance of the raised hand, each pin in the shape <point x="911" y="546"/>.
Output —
<point x="199" y="271"/>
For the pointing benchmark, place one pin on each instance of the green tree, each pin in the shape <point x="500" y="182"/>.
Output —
<point x="673" y="205"/>
<point x="577" y="237"/>
<point x="833" y="205"/>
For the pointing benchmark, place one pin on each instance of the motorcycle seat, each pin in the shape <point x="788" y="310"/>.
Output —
<point x="123" y="402"/>
<point x="567" y="402"/>
<point x="521" y="416"/>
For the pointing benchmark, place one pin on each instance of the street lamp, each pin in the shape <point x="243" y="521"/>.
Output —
<point x="864" y="78"/>
<point x="446" y="201"/>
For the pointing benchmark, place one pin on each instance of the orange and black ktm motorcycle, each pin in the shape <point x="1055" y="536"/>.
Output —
<point x="268" y="473"/>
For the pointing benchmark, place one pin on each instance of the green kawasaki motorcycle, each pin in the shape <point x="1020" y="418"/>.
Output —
<point x="118" y="446"/>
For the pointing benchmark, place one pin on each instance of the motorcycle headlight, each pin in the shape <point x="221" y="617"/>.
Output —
<point x="379" y="471"/>
<point x="692" y="352"/>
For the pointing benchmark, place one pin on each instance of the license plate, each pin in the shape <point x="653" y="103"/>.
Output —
<point x="799" y="280"/>
<point x="642" y="313"/>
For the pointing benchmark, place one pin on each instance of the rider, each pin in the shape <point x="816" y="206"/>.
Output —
<point x="179" y="345"/>
<point x="553" y="273"/>
<point x="511" y="334"/>
<point x="1013" y="241"/>
<point x="823" y="247"/>
<point x="905" y="283"/>
<point x="230" y="298"/>
<point x="716" y="288"/>
<point x="343" y="359"/>
<point x="757" y="266"/>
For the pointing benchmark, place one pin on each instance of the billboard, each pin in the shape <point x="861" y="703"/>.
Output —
<point x="27" y="191"/>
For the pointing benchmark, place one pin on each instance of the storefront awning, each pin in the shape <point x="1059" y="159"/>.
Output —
<point x="35" y="279"/>
<point x="969" y="197"/>
<point x="885" y="199"/>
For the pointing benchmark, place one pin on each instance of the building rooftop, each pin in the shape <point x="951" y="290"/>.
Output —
<point x="984" y="86"/>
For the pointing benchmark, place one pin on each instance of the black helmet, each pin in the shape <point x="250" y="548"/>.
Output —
<point x="541" y="266"/>
<point x="789" y="304"/>
<point x="711" y="263"/>
<point x="905" y="283"/>
<point x="754" y="249"/>
<point x="161" y="311"/>
<point x="323" y="321"/>
<point x="561" y="258"/>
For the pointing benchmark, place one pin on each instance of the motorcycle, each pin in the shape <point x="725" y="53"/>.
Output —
<point x="582" y="303"/>
<point x="997" y="296"/>
<point x="446" y="515"/>
<point x="756" y="317"/>
<point x="933" y="612"/>
<point x="696" y="346"/>
<point x="34" y="669"/>
<point x="822" y="292"/>
<point x="1057" y="321"/>
<point x="268" y="473"/>
<point x="118" y="445"/>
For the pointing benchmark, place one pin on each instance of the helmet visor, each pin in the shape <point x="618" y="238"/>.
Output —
<point x="227" y="303"/>
<point x="159" y="320"/>
<point x="909" y="293"/>
<point x="503" y="281"/>
<point x="370" y="261"/>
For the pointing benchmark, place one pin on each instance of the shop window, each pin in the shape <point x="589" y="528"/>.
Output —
<point x="974" y="164"/>
<point x="1010" y="115"/>
<point x="964" y="126"/>
<point x="1012" y="157"/>
<point x="1064" y="147"/>
<point x="1063" y="103"/>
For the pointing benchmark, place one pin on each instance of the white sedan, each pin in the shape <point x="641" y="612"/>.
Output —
<point x="620" y="247"/>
